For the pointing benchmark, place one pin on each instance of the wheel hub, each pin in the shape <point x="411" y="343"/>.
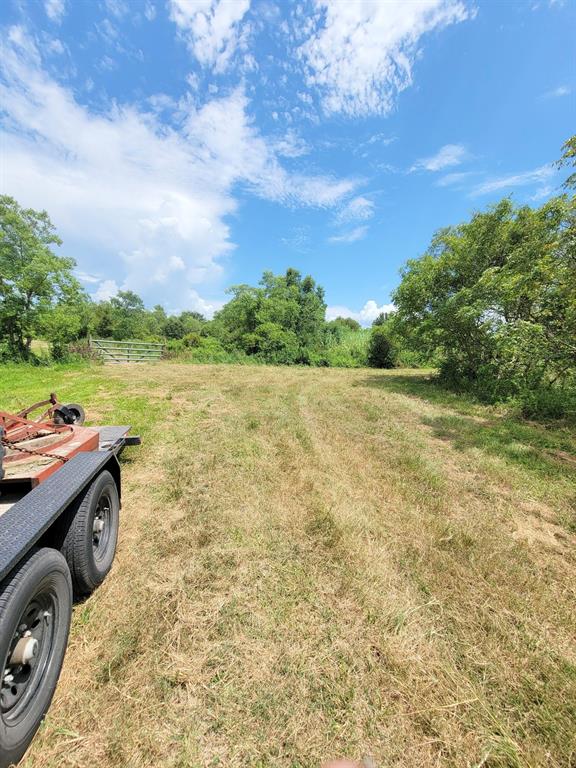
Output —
<point x="26" y="649"/>
<point x="27" y="656"/>
<point x="100" y="532"/>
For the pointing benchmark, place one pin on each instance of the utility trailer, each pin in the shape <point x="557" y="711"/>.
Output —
<point x="60" y="497"/>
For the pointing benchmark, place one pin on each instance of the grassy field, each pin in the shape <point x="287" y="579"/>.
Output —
<point x="315" y="563"/>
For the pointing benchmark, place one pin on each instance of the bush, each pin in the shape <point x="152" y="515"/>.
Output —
<point x="381" y="350"/>
<point x="346" y="347"/>
<point x="204" y="349"/>
<point x="410" y="358"/>
<point x="548" y="403"/>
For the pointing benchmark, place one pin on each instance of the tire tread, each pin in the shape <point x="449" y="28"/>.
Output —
<point x="74" y="545"/>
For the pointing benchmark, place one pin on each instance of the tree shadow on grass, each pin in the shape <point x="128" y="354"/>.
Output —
<point x="547" y="450"/>
<point x="422" y="385"/>
<point x="537" y="450"/>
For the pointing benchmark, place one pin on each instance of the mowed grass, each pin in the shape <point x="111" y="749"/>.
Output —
<point x="316" y="563"/>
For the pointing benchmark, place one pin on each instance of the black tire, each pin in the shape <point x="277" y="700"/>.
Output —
<point x="77" y="413"/>
<point x="38" y="596"/>
<point x="90" y="553"/>
<point x="71" y="413"/>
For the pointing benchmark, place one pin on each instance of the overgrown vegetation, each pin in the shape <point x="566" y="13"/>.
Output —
<point x="494" y="301"/>
<point x="492" y="304"/>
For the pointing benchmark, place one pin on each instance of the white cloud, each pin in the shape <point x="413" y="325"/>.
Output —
<point x="105" y="290"/>
<point x="211" y="28"/>
<point x="291" y="145"/>
<point x="364" y="316"/>
<point x="541" y="193"/>
<point x="446" y="157"/>
<point x="360" y="54"/>
<point x="452" y="179"/>
<point x="358" y="233"/>
<point x="556" y="93"/>
<point x="86" y="277"/>
<point x="135" y="200"/>
<point x="208" y="307"/>
<point x="381" y="139"/>
<point x="54" y="46"/>
<point x="55" y="9"/>
<point x="224" y="131"/>
<point x="357" y="209"/>
<point x="537" y="176"/>
<point x="117" y="8"/>
<point x="149" y="11"/>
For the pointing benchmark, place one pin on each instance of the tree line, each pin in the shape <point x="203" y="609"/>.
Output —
<point x="282" y="320"/>
<point x="491" y="304"/>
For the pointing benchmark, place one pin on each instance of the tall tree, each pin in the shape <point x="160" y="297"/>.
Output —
<point x="281" y="320"/>
<point x="495" y="298"/>
<point x="33" y="279"/>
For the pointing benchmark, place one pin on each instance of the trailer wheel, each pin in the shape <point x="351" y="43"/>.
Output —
<point x="92" y="532"/>
<point x="71" y="413"/>
<point x="35" y="613"/>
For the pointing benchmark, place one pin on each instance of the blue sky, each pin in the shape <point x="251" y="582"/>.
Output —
<point x="181" y="146"/>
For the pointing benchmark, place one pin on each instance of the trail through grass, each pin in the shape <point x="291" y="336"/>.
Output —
<point x="321" y="562"/>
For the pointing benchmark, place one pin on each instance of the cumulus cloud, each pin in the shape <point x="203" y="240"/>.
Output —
<point x="211" y="28"/>
<point x="537" y="176"/>
<point x="360" y="54"/>
<point x="364" y="316"/>
<point x="131" y="196"/>
<point x="55" y="9"/>
<point x="447" y="156"/>
<point x="198" y="304"/>
<point x="358" y="233"/>
<point x="105" y="290"/>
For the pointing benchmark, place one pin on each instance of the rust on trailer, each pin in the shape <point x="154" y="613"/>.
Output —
<point x="37" y="448"/>
<point x="52" y="401"/>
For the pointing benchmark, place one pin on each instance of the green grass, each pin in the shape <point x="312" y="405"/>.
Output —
<point x="109" y="397"/>
<point x="319" y="562"/>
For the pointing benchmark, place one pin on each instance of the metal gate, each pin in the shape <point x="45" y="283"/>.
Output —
<point x="112" y="351"/>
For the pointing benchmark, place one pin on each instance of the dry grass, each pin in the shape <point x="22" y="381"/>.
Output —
<point x="324" y="562"/>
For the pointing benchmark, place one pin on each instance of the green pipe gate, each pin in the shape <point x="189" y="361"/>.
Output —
<point x="135" y="351"/>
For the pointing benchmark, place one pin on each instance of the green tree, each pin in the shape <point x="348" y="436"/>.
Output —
<point x="569" y="158"/>
<point x="382" y="318"/>
<point x="65" y="322"/>
<point x="495" y="299"/>
<point x="345" y="322"/>
<point x="281" y="320"/>
<point x="174" y="328"/>
<point x="123" y="317"/>
<point x="381" y="351"/>
<point x="33" y="279"/>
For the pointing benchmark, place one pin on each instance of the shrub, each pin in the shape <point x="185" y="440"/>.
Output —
<point x="346" y="347"/>
<point x="381" y="350"/>
<point x="549" y="403"/>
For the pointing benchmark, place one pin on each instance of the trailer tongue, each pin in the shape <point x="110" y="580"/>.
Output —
<point x="60" y="496"/>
